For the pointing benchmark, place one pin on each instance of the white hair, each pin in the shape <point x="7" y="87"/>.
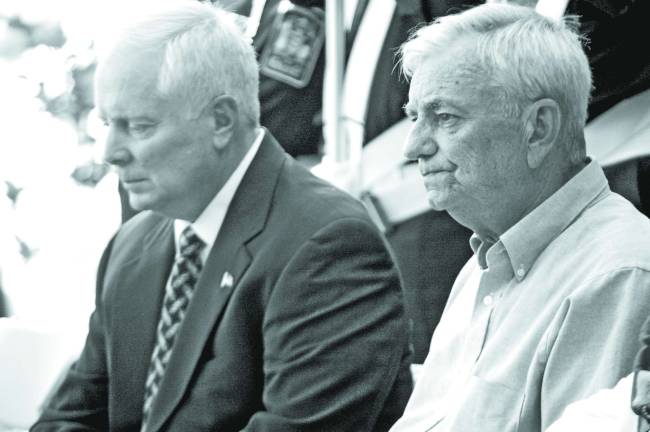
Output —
<point x="204" y="54"/>
<point x="521" y="53"/>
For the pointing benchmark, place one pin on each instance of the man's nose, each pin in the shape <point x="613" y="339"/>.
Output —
<point x="115" y="151"/>
<point x="419" y="143"/>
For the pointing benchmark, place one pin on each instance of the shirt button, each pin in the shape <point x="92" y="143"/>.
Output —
<point x="487" y="300"/>
<point x="521" y="272"/>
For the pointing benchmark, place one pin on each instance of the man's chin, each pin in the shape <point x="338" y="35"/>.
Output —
<point x="139" y="203"/>
<point x="437" y="201"/>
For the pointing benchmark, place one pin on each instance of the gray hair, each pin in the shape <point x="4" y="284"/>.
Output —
<point x="523" y="54"/>
<point x="205" y="54"/>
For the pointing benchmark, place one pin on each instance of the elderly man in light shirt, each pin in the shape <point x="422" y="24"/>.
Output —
<point x="547" y="310"/>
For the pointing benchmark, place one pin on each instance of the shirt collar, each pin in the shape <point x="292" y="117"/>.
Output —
<point x="209" y="222"/>
<point x="528" y="238"/>
<point x="480" y="248"/>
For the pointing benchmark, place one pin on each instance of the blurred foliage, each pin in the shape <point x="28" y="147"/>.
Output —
<point x="76" y="101"/>
<point x="12" y="192"/>
<point x="18" y="36"/>
<point x="63" y="77"/>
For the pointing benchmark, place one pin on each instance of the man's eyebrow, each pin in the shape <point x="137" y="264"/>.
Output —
<point x="430" y="105"/>
<point x="141" y="118"/>
<point x="127" y="118"/>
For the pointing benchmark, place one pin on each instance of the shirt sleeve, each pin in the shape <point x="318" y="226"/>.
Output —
<point x="606" y="411"/>
<point x="592" y="342"/>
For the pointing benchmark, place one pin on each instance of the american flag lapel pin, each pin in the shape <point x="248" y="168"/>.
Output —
<point x="227" y="280"/>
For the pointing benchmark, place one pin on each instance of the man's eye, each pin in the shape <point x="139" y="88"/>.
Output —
<point x="447" y="119"/>
<point x="140" y="128"/>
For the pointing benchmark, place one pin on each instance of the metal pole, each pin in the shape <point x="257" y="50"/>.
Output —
<point x="336" y="147"/>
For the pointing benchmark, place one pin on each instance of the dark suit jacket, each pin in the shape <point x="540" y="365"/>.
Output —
<point x="310" y="337"/>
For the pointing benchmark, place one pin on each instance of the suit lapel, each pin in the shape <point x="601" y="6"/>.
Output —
<point x="137" y="309"/>
<point x="225" y="266"/>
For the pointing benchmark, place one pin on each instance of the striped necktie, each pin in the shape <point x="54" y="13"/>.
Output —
<point x="178" y="294"/>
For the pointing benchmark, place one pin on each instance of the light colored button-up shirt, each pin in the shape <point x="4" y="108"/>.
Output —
<point x="546" y="315"/>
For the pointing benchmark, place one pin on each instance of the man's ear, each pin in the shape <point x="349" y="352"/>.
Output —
<point x="225" y="115"/>
<point x="542" y="121"/>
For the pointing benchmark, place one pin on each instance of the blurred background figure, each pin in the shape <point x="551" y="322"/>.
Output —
<point x="290" y="108"/>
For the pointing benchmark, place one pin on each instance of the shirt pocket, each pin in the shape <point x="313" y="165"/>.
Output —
<point x="487" y="407"/>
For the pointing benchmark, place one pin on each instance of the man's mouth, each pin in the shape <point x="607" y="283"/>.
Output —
<point x="131" y="181"/>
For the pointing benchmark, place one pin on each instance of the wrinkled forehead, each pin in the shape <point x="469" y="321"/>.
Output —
<point x="453" y="76"/>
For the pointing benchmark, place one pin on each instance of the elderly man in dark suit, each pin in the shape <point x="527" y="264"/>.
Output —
<point x="248" y="295"/>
